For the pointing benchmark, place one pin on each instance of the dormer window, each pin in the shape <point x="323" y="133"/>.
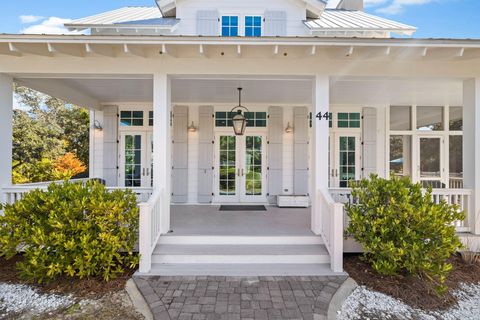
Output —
<point x="253" y="26"/>
<point x="229" y="26"/>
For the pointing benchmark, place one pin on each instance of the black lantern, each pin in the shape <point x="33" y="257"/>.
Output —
<point x="239" y="122"/>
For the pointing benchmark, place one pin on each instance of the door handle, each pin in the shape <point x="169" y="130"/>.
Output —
<point x="148" y="171"/>
<point x="333" y="172"/>
<point x="143" y="172"/>
<point x="336" y="172"/>
<point x="242" y="172"/>
<point x="238" y="172"/>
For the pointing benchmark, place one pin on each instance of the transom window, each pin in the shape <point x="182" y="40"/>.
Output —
<point x="253" y="26"/>
<point x="254" y="119"/>
<point x="348" y="120"/>
<point x="229" y="26"/>
<point x="131" y="118"/>
<point x="150" y="118"/>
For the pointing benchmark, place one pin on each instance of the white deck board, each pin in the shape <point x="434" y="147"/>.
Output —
<point x="208" y="220"/>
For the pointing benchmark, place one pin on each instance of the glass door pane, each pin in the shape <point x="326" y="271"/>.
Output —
<point x="253" y="165"/>
<point x="347" y="160"/>
<point x="430" y="163"/>
<point x="227" y="166"/>
<point x="133" y="160"/>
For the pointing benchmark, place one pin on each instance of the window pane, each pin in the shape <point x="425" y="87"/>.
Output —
<point x="225" y="31"/>
<point x="249" y="32"/>
<point x="430" y="118"/>
<point x="400" y="118"/>
<point x="456" y="162"/>
<point x="430" y="157"/>
<point x="456" y="118"/>
<point x="234" y="20"/>
<point x="234" y="32"/>
<point x="258" y="21"/>
<point x="400" y="155"/>
<point x="225" y="21"/>
<point x="248" y="21"/>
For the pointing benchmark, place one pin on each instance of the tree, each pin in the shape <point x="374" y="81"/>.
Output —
<point x="44" y="133"/>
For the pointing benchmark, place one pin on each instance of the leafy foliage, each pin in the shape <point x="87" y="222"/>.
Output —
<point x="402" y="230"/>
<point x="73" y="229"/>
<point x="45" y="130"/>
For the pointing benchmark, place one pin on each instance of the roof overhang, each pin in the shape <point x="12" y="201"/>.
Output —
<point x="148" y="46"/>
<point x="168" y="8"/>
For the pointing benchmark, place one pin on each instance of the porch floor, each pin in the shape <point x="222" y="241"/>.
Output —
<point x="208" y="220"/>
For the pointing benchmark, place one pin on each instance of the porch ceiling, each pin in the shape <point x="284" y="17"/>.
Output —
<point x="94" y="91"/>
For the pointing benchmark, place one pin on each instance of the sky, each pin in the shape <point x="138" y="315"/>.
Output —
<point x="433" y="18"/>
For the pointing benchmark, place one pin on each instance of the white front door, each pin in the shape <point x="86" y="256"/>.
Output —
<point x="136" y="149"/>
<point x="344" y="159"/>
<point x="240" y="174"/>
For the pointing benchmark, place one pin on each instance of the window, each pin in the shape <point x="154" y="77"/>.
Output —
<point x="400" y="118"/>
<point x="456" y="162"/>
<point x="348" y="120"/>
<point x="253" y="26"/>
<point x="430" y="118"/>
<point x="254" y="119"/>
<point x="229" y="26"/>
<point x="456" y="118"/>
<point x="150" y="118"/>
<point x="131" y="118"/>
<point x="400" y="155"/>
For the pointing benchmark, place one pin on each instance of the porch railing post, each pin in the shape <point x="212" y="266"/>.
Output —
<point x="145" y="236"/>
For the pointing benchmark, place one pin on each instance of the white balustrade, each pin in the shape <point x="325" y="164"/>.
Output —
<point x="331" y="228"/>
<point x="150" y="228"/>
<point x="460" y="197"/>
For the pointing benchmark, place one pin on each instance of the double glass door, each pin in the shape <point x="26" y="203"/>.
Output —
<point x="345" y="160"/>
<point x="136" y="156"/>
<point x="240" y="174"/>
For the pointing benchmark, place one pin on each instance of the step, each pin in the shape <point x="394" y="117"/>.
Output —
<point x="239" y="240"/>
<point x="251" y="254"/>
<point x="242" y="270"/>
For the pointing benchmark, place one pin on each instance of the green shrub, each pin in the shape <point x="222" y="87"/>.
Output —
<point x="402" y="230"/>
<point x="71" y="229"/>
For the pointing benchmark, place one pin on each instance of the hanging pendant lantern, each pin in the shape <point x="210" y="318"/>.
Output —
<point x="239" y="121"/>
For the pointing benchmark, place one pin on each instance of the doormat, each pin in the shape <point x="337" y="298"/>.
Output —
<point x="242" y="208"/>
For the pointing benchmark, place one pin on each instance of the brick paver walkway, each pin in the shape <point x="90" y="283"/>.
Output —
<point x="198" y="298"/>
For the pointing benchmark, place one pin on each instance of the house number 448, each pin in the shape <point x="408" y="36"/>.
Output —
<point x="323" y="116"/>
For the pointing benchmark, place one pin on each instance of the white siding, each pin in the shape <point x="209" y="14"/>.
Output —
<point x="193" y="157"/>
<point x="187" y="12"/>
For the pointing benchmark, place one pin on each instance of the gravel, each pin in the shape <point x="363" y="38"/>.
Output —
<point x="367" y="304"/>
<point x="17" y="299"/>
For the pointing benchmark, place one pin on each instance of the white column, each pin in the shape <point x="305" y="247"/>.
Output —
<point x="162" y="142"/>
<point x="6" y="124"/>
<point x="471" y="147"/>
<point x="320" y="104"/>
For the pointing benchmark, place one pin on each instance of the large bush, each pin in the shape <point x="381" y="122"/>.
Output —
<point x="71" y="229"/>
<point x="402" y="230"/>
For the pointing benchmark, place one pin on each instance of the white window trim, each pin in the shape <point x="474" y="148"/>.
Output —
<point x="241" y="20"/>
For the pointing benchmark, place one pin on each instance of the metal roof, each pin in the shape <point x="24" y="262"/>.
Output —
<point x="344" y="20"/>
<point x="127" y="15"/>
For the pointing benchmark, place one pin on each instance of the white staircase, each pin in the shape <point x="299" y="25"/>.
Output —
<point x="240" y="256"/>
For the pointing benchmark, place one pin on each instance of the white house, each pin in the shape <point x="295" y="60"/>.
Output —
<point x="331" y="97"/>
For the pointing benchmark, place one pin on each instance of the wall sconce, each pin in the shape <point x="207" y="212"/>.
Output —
<point x="97" y="125"/>
<point x="289" y="128"/>
<point x="192" y="128"/>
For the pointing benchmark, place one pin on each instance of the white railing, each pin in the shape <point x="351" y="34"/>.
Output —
<point x="150" y="229"/>
<point x="12" y="194"/>
<point x="461" y="197"/>
<point x="143" y="193"/>
<point x="331" y="228"/>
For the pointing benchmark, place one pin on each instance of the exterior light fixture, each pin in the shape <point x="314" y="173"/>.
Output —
<point x="192" y="128"/>
<point x="97" y="125"/>
<point x="289" y="128"/>
<point x="239" y="122"/>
